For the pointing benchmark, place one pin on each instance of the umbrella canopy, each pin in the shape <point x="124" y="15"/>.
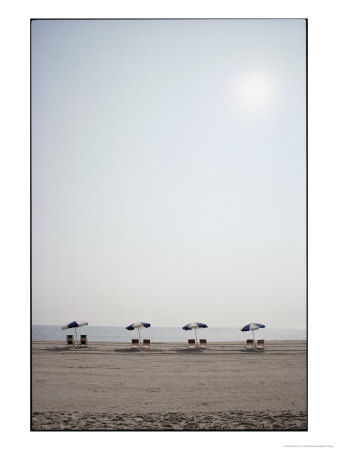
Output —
<point x="74" y="324"/>
<point x="252" y="327"/>
<point x="194" y="326"/>
<point x="137" y="326"/>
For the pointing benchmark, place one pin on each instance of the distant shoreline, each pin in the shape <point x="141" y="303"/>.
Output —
<point x="165" y="334"/>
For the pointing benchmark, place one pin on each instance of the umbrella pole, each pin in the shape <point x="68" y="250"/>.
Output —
<point x="196" y="336"/>
<point x="253" y="334"/>
<point x="76" y="338"/>
<point x="139" y="338"/>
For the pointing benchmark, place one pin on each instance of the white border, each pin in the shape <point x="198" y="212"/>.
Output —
<point x="15" y="243"/>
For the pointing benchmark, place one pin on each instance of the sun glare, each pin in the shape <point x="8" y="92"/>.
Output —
<point x="255" y="92"/>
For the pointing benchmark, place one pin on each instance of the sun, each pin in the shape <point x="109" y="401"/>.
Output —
<point x="255" y="92"/>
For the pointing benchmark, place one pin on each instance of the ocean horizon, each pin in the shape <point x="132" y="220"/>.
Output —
<point x="164" y="334"/>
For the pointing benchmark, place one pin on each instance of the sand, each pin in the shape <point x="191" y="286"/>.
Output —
<point x="108" y="386"/>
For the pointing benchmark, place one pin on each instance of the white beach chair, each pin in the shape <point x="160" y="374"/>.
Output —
<point x="191" y="343"/>
<point x="249" y="344"/>
<point x="83" y="340"/>
<point x="260" y="344"/>
<point x="146" y="344"/>
<point x="70" y="340"/>
<point x="135" y="344"/>
<point x="203" y="343"/>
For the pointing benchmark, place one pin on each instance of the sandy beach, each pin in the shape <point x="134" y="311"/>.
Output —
<point x="108" y="386"/>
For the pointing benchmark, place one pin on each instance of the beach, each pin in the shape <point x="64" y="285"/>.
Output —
<point x="108" y="386"/>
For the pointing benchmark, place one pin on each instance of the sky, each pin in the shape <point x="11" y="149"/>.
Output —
<point x="169" y="172"/>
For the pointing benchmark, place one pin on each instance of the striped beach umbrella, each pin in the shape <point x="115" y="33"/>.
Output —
<point x="194" y="326"/>
<point x="137" y="326"/>
<point x="252" y="327"/>
<point x="74" y="324"/>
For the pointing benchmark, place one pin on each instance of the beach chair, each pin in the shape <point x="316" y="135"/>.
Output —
<point x="203" y="343"/>
<point x="70" y="340"/>
<point x="146" y="344"/>
<point x="260" y="344"/>
<point x="249" y="344"/>
<point x="83" y="340"/>
<point x="191" y="343"/>
<point x="135" y="344"/>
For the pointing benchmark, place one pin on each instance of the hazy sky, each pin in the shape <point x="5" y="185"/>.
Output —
<point x="169" y="172"/>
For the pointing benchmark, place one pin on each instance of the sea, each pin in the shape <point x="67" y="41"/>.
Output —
<point x="164" y="334"/>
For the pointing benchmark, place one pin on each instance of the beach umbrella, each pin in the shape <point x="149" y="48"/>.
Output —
<point x="74" y="324"/>
<point x="137" y="326"/>
<point x="252" y="327"/>
<point x="194" y="326"/>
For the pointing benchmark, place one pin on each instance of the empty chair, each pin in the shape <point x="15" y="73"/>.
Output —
<point x="249" y="344"/>
<point x="191" y="343"/>
<point x="135" y="344"/>
<point x="146" y="343"/>
<point x="83" y="340"/>
<point x="260" y="344"/>
<point x="203" y="343"/>
<point x="70" y="340"/>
